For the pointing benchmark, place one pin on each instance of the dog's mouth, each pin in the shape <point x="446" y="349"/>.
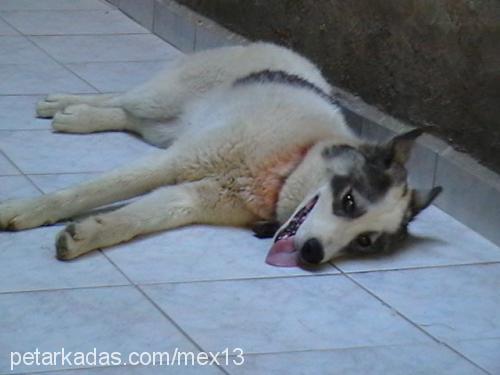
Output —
<point x="283" y="252"/>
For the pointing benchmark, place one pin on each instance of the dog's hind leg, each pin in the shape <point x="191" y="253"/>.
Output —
<point x="83" y="118"/>
<point x="126" y="182"/>
<point x="166" y="208"/>
<point x="48" y="107"/>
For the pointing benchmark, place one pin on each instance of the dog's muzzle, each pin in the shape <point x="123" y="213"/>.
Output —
<point x="312" y="251"/>
<point x="284" y="252"/>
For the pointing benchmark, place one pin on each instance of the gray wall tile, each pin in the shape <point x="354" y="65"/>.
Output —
<point x="211" y="35"/>
<point x="141" y="11"/>
<point x="471" y="193"/>
<point x="175" y="24"/>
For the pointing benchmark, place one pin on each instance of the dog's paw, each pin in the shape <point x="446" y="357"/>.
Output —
<point x="24" y="214"/>
<point x="78" y="238"/>
<point x="52" y="104"/>
<point x="67" y="246"/>
<point x="73" y="119"/>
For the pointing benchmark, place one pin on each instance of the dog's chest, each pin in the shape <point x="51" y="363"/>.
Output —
<point x="260" y="191"/>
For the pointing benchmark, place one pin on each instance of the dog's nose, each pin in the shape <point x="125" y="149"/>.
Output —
<point x="312" y="251"/>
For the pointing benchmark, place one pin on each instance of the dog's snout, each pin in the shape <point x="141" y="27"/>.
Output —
<point x="312" y="251"/>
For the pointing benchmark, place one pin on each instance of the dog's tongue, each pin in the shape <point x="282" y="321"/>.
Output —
<point x="283" y="254"/>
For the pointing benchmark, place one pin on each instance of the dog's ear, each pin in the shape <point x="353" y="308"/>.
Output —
<point x="399" y="148"/>
<point x="421" y="199"/>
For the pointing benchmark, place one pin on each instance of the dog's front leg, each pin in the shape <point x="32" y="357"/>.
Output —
<point x="126" y="182"/>
<point x="199" y="202"/>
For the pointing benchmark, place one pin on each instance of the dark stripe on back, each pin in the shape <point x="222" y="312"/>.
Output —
<point x="280" y="76"/>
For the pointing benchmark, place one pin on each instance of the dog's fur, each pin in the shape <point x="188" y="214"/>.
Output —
<point x="252" y="137"/>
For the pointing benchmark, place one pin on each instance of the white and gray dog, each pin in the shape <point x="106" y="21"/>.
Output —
<point x="252" y="138"/>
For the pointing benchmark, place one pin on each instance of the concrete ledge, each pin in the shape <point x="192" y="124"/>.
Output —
<point x="471" y="191"/>
<point x="178" y="25"/>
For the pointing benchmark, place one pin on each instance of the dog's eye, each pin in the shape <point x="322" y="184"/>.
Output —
<point x="348" y="203"/>
<point x="364" y="240"/>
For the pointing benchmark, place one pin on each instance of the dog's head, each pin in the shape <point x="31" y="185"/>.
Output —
<point x="364" y="205"/>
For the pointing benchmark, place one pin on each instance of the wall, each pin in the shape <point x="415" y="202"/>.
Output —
<point x="424" y="61"/>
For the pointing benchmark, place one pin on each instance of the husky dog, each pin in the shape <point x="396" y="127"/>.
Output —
<point x="252" y="138"/>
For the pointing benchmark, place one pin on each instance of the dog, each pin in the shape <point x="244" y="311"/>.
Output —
<point x="250" y="137"/>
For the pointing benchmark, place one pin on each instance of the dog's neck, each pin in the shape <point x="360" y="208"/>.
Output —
<point x="304" y="181"/>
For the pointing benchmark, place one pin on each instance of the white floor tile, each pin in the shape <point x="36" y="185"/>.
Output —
<point x="101" y="48"/>
<point x="53" y="182"/>
<point x="199" y="253"/>
<point x="5" y="29"/>
<point x="141" y="370"/>
<point x="6" y="167"/>
<point x="53" y="5"/>
<point x="18" y="113"/>
<point x="485" y="353"/>
<point x="29" y="79"/>
<point x="452" y="303"/>
<point x="19" y="50"/>
<point x="47" y="152"/>
<point x="117" y="76"/>
<point x="16" y="187"/>
<point x="286" y="314"/>
<point x="437" y="239"/>
<point x="27" y="262"/>
<point x="58" y="22"/>
<point x="392" y="360"/>
<point x="112" y="319"/>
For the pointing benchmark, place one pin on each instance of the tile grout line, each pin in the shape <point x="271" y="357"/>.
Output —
<point x="20" y="34"/>
<point x="68" y="69"/>
<point x="45" y="52"/>
<point x="293" y="351"/>
<point x="34" y="183"/>
<point x="28" y="175"/>
<point x="417" y="326"/>
<point x="411" y="268"/>
<point x="159" y="283"/>
<point x="132" y="61"/>
<point x="62" y="65"/>
<point x="21" y="172"/>
<point x="44" y="93"/>
<point x="156" y="283"/>
<point x="64" y="289"/>
<point x="27" y="10"/>
<point x="61" y="173"/>
<point x="164" y="313"/>
<point x="167" y="60"/>
<point x="235" y="279"/>
<point x="4" y="95"/>
<point x="312" y="274"/>
<point x="107" y="3"/>
<point x="24" y="130"/>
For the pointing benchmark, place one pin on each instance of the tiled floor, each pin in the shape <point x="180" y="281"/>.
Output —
<point x="432" y="308"/>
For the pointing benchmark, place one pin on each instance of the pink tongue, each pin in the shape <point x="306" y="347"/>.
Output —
<point x="283" y="254"/>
